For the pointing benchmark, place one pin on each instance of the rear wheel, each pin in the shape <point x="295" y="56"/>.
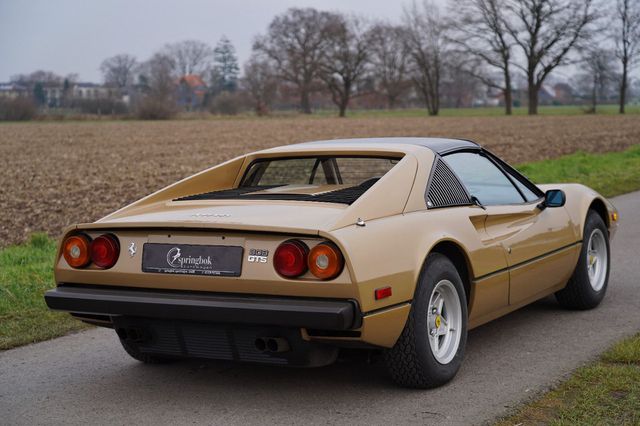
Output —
<point x="430" y="350"/>
<point x="588" y="284"/>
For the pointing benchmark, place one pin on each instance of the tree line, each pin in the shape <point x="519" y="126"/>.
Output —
<point x="432" y="53"/>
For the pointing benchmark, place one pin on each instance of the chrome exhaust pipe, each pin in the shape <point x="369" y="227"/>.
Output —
<point x="277" y="344"/>
<point x="261" y="344"/>
<point x="271" y="344"/>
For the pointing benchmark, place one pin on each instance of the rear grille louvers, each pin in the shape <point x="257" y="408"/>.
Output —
<point x="445" y="189"/>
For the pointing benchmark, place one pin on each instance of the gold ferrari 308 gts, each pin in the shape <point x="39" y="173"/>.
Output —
<point x="284" y="256"/>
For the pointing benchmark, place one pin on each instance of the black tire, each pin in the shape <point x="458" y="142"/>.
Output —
<point x="411" y="362"/>
<point x="579" y="294"/>
<point x="135" y="353"/>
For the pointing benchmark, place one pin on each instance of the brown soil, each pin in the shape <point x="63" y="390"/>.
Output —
<point x="56" y="174"/>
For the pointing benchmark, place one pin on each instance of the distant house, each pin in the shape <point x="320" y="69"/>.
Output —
<point x="191" y="91"/>
<point x="93" y="91"/>
<point x="13" y="90"/>
<point x="563" y="94"/>
<point x="546" y="96"/>
<point x="520" y="97"/>
<point x="54" y="94"/>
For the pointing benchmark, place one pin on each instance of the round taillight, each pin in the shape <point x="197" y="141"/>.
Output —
<point x="105" y="251"/>
<point x="325" y="261"/>
<point x="75" y="250"/>
<point x="290" y="259"/>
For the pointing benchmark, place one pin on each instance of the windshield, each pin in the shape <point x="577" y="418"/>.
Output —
<point x="351" y="171"/>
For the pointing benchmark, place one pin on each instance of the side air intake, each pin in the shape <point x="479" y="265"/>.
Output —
<point x="445" y="189"/>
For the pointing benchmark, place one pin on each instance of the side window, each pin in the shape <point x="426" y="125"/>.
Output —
<point x="483" y="179"/>
<point x="528" y="194"/>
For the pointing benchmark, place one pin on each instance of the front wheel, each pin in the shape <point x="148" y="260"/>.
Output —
<point x="588" y="284"/>
<point x="431" y="348"/>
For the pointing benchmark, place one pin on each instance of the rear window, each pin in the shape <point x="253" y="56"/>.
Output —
<point x="327" y="179"/>
<point x="350" y="171"/>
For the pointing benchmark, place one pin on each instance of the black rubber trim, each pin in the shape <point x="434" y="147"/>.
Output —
<point x="226" y="193"/>
<point x="219" y="308"/>
<point x="341" y="196"/>
<point x="533" y="259"/>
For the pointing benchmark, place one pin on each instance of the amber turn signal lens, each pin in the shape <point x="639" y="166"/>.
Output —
<point x="325" y="261"/>
<point x="105" y="251"/>
<point x="75" y="250"/>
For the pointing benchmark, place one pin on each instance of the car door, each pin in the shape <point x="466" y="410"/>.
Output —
<point x="539" y="243"/>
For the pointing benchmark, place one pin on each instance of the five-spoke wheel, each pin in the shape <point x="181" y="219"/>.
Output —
<point x="444" y="320"/>
<point x="587" y="286"/>
<point x="430" y="349"/>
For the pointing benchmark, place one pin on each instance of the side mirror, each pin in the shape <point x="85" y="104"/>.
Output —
<point x="553" y="198"/>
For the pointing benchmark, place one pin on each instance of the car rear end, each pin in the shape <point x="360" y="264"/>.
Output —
<point x="257" y="277"/>
<point x="228" y="294"/>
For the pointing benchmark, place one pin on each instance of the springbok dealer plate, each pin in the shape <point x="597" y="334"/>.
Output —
<point x="190" y="259"/>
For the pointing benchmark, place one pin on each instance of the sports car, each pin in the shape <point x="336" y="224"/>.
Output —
<point x="285" y="256"/>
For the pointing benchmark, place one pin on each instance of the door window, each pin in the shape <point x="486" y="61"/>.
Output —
<point x="483" y="179"/>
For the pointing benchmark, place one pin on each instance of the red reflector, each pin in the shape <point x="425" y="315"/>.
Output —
<point x="382" y="293"/>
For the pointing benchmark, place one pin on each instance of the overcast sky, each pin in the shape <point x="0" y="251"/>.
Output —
<point x="67" y="36"/>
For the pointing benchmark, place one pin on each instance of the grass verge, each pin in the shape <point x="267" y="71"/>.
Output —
<point x="483" y="111"/>
<point x="544" y="110"/>
<point x="26" y="272"/>
<point x="610" y="174"/>
<point x="605" y="392"/>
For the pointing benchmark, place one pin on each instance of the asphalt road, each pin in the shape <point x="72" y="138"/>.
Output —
<point x="87" y="378"/>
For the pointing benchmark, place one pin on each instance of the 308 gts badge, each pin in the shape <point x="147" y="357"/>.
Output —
<point x="258" y="256"/>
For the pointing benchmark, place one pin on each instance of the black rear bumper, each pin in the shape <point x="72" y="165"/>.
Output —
<point x="206" y="307"/>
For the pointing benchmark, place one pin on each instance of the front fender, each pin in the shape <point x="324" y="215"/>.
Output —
<point x="580" y="199"/>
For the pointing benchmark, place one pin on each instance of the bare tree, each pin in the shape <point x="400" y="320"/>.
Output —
<point x="158" y="75"/>
<point x="426" y="40"/>
<point x="480" y="32"/>
<point x="296" y="41"/>
<point x="546" y="32"/>
<point x="627" y="39"/>
<point x="389" y="60"/>
<point x="598" y="74"/>
<point x="189" y="56"/>
<point x="118" y="70"/>
<point x="459" y="85"/>
<point x="261" y="83"/>
<point x="39" y="76"/>
<point x="345" y="60"/>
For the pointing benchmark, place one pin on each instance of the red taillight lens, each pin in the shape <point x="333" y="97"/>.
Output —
<point x="75" y="250"/>
<point x="290" y="259"/>
<point x="325" y="261"/>
<point x="105" y="251"/>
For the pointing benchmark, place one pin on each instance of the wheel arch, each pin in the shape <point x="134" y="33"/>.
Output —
<point x="600" y="207"/>
<point x="458" y="256"/>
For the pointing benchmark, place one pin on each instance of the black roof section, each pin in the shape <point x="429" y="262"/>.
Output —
<point x="438" y="145"/>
